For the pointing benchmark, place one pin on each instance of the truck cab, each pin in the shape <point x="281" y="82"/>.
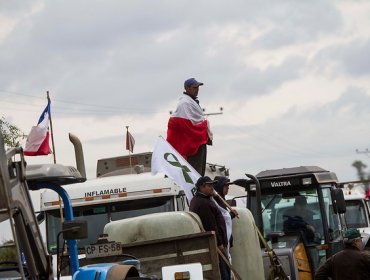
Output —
<point x="106" y="199"/>
<point x="357" y="214"/>
<point x="124" y="188"/>
<point x="357" y="210"/>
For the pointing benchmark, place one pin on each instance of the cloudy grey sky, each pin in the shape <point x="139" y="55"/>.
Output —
<point x="292" y="76"/>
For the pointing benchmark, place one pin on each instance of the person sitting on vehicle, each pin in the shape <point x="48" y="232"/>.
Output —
<point x="300" y="218"/>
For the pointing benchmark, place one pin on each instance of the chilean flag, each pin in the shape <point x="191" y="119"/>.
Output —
<point x="130" y="142"/>
<point x="187" y="127"/>
<point x="37" y="143"/>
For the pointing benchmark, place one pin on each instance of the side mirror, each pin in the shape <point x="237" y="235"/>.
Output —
<point x="339" y="204"/>
<point x="75" y="229"/>
<point x="40" y="217"/>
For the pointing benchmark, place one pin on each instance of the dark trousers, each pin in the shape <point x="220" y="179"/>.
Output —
<point x="199" y="160"/>
<point x="224" y="269"/>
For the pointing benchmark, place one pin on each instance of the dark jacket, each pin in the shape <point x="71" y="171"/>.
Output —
<point x="210" y="216"/>
<point x="219" y="188"/>
<point x="351" y="263"/>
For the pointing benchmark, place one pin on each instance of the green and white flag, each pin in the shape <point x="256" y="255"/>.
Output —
<point x="165" y="159"/>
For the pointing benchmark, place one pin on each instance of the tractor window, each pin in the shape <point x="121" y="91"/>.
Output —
<point x="54" y="226"/>
<point x="289" y="212"/>
<point x="332" y="218"/>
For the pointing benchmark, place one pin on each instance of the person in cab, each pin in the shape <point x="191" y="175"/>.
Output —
<point x="300" y="218"/>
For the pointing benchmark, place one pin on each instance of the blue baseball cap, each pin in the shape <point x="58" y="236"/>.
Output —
<point x="192" y="82"/>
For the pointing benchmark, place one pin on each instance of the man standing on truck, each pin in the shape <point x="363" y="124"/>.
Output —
<point x="188" y="130"/>
<point x="351" y="263"/>
<point x="211" y="217"/>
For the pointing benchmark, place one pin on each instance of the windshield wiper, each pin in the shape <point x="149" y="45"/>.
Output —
<point x="269" y="203"/>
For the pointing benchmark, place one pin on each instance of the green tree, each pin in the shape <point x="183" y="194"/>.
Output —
<point x="12" y="135"/>
<point x="360" y="166"/>
<point x="361" y="173"/>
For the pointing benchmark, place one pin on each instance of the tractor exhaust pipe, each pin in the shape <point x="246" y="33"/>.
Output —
<point x="79" y="154"/>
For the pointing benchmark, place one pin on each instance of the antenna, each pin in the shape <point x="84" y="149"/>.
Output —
<point x="211" y="114"/>
<point x="366" y="152"/>
<point x="208" y="114"/>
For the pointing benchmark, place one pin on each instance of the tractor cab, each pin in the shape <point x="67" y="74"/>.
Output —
<point x="298" y="210"/>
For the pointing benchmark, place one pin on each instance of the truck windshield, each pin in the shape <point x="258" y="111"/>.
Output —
<point x="355" y="214"/>
<point x="98" y="215"/>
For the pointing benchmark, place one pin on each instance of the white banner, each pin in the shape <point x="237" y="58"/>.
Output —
<point x="165" y="159"/>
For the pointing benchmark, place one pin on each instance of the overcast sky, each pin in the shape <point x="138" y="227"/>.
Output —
<point x="292" y="77"/>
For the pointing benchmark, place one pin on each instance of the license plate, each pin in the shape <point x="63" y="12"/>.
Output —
<point x="103" y="250"/>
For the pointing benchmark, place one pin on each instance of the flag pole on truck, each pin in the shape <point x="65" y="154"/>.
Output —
<point x="38" y="139"/>
<point x="51" y="131"/>
<point x="53" y="152"/>
<point x="130" y="142"/>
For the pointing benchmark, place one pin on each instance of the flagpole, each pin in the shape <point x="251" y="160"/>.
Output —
<point x="51" y="130"/>
<point x="129" y="147"/>
<point x="227" y="205"/>
<point x="54" y="156"/>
